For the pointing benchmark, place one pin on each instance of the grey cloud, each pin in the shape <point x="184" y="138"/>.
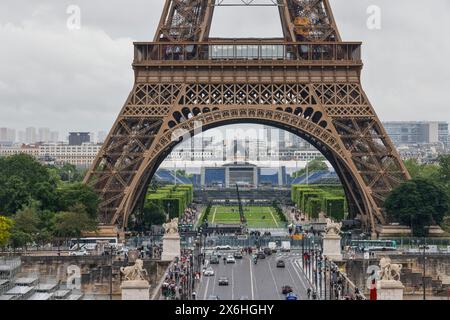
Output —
<point x="50" y="76"/>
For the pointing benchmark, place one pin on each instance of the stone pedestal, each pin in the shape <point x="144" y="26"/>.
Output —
<point x="135" y="290"/>
<point x="171" y="247"/>
<point x="390" y="290"/>
<point x="332" y="247"/>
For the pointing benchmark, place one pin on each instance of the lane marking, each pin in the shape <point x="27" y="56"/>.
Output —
<point x="294" y="282"/>
<point x="294" y="264"/>
<point x="273" y="278"/>
<point x="273" y="217"/>
<point x="251" y="278"/>
<point x="232" y="284"/>
<point x="214" y="215"/>
<point x="206" y="289"/>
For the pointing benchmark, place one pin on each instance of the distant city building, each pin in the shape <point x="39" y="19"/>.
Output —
<point x="56" y="153"/>
<point x="416" y="133"/>
<point x="21" y="137"/>
<point x="43" y="135"/>
<point x="78" y="138"/>
<point x="78" y="155"/>
<point x="30" y="135"/>
<point x="7" y="136"/>
<point x="54" y="136"/>
<point x="243" y="174"/>
<point x="32" y="150"/>
<point x="101" y="136"/>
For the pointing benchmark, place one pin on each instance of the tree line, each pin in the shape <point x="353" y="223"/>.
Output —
<point x="424" y="200"/>
<point x="40" y="204"/>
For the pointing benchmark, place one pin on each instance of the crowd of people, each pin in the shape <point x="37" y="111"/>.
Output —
<point x="180" y="278"/>
<point x="189" y="216"/>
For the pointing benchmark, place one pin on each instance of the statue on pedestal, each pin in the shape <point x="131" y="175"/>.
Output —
<point x="171" y="227"/>
<point x="136" y="272"/>
<point x="333" y="228"/>
<point x="389" y="271"/>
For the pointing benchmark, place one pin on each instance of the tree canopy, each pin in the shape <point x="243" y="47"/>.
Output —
<point x="314" y="165"/>
<point x="73" y="222"/>
<point x="22" y="180"/>
<point x="70" y="195"/>
<point x="6" y="225"/>
<point x="417" y="203"/>
<point x="42" y="201"/>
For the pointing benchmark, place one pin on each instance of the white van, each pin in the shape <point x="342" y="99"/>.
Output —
<point x="285" y="246"/>
<point x="272" y="246"/>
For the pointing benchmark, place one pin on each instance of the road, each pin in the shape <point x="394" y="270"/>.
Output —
<point x="262" y="281"/>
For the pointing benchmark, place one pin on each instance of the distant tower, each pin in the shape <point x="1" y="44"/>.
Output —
<point x="78" y="138"/>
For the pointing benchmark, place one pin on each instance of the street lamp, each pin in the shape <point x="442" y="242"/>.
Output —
<point x="424" y="248"/>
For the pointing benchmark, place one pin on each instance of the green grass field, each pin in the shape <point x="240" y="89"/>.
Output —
<point x="257" y="217"/>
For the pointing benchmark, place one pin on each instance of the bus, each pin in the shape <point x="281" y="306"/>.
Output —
<point x="91" y="243"/>
<point x="374" y="245"/>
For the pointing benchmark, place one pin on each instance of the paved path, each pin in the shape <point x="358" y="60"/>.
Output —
<point x="262" y="281"/>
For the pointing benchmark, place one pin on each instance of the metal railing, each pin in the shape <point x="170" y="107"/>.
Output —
<point x="326" y="281"/>
<point x="345" y="52"/>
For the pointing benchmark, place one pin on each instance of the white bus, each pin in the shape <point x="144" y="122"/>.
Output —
<point x="91" y="243"/>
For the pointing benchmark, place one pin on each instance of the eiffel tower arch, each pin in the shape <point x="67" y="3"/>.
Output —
<point x="307" y="82"/>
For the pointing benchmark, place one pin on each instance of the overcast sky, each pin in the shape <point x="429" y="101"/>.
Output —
<point x="64" y="79"/>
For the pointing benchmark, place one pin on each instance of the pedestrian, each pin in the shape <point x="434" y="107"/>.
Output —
<point x="308" y="292"/>
<point x="194" y="295"/>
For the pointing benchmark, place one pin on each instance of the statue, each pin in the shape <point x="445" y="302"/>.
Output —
<point x="136" y="272"/>
<point x="171" y="227"/>
<point x="333" y="228"/>
<point x="389" y="271"/>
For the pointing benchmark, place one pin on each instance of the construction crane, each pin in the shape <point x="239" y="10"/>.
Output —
<point x="241" y="209"/>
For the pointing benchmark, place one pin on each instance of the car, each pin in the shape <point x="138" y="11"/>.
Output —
<point x="230" y="259"/>
<point x="261" y="255"/>
<point x="244" y="298"/>
<point x="214" y="260"/>
<point x="291" y="296"/>
<point x="286" y="289"/>
<point x="267" y="251"/>
<point x="281" y="264"/>
<point x="213" y="298"/>
<point x="123" y="250"/>
<point x="223" y="248"/>
<point x="79" y="253"/>
<point x="223" y="281"/>
<point x="208" y="272"/>
<point x="237" y="255"/>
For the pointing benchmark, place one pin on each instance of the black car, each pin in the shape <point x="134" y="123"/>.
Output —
<point x="281" y="264"/>
<point x="286" y="289"/>
<point x="223" y="281"/>
<point x="214" y="260"/>
<point x="237" y="255"/>
<point x="267" y="251"/>
<point x="261" y="255"/>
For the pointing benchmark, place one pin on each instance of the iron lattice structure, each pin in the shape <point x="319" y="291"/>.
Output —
<point x="307" y="83"/>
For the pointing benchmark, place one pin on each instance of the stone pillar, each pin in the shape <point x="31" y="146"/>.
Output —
<point x="332" y="247"/>
<point x="171" y="247"/>
<point x="135" y="290"/>
<point x="390" y="290"/>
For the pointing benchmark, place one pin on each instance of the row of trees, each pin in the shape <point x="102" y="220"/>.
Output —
<point x="39" y="204"/>
<point x="314" y="165"/>
<point x="424" y="200"/>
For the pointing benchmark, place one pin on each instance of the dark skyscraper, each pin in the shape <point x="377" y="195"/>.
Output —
<point x="78" y="138"/>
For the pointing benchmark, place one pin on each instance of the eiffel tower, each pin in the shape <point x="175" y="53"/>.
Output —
<point x="307" y="83"/>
